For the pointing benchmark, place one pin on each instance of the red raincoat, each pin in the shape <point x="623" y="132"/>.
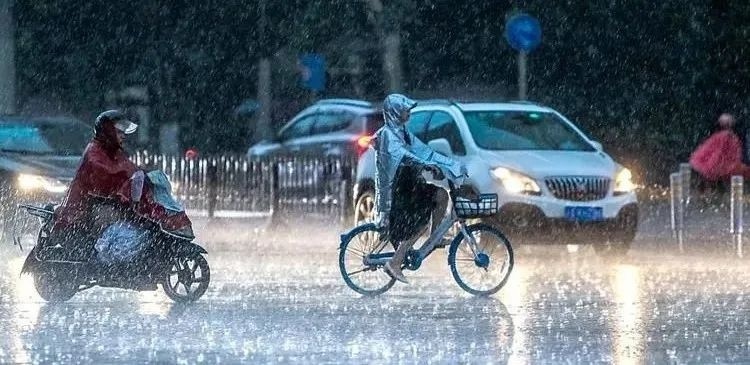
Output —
<point x="101" y="173"/>
<point x="105" y="171"/>
<point x="720" y="157"/>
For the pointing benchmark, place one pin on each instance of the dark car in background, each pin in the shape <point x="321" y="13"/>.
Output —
<point x="38" y="159"/>
<point x="330" y="127"/>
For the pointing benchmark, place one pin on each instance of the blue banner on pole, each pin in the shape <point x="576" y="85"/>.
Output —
<point x="313" y="69"/>
<point x="523" y="32"/>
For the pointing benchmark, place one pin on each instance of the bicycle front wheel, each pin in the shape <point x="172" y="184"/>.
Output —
<point x="361" y="259"/>
<point x="485" y="268"/>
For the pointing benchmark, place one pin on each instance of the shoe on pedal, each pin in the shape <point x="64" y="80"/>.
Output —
<point x="395" y="273"/>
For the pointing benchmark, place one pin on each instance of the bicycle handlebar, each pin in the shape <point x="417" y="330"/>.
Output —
<point x="452" y="188"/>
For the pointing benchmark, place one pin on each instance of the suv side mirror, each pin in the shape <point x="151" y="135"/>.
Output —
<point x="597" y="145"/>
<point x="441" y="146"/>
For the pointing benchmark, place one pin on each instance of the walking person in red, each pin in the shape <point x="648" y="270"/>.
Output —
<point x="719" y="157"/>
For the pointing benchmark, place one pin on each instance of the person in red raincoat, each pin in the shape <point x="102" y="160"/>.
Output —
<point x="719" y="157"/>
<point x="106" y="172"/>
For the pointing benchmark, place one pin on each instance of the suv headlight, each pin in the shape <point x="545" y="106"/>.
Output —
<point x="624" y="182"/>
<point x="36" y="182"/>
<point x="516" y="183"/>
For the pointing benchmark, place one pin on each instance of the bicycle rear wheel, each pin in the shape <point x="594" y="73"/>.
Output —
<point x="361" y="259"/>
<point x="485" y="271"/>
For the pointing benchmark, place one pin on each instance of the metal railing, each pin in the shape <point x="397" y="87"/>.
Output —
<point x="235" y="184"/>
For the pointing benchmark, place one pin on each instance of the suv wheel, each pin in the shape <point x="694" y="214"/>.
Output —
<point x="364" y="210"/>
<point x="623" y="234"/>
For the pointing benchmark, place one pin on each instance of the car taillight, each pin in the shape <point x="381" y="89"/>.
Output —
<point x="363" y="143"/>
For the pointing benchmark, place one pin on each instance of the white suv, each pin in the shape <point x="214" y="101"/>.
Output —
<point x="555" y="185"/>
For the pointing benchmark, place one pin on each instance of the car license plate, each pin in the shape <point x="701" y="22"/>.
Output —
<point x="584" y="214"/>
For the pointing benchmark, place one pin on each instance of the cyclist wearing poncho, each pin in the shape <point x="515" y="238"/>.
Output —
<point x="403" y="201"/>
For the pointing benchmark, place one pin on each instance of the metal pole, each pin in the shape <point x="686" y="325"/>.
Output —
<point x="736" y="215"/>
<point x="343" y="186"/>
<point x="273" y="182"/>
<point x="213" y="182"/>
<point x="523" y="81"/>
<point x="685" y="172"/>
<point x="678" y="213"/>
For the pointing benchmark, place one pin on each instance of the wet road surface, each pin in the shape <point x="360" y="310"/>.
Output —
<point x="278" y="298"/>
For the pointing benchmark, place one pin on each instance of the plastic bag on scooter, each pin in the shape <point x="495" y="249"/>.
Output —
<point x="120" y="242"/>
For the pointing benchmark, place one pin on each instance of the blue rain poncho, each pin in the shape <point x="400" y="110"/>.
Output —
<point x="392" y="149"/>
<point x="163" y="192"/>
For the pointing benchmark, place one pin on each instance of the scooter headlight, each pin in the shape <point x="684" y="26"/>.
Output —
<point x="29" y="183"/>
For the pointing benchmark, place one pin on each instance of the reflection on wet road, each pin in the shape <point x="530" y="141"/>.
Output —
<point x="282" y="300"/>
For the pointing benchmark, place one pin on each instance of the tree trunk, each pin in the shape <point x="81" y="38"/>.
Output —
<point x="263" y="120"/>
<point x="7" y="59"/>
<point x="392" y="61"/>
<point x="390" y="41"/>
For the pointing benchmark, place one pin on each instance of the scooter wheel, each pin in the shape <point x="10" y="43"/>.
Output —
<point x="187" y="278"/>
<point x="53" y="286"/>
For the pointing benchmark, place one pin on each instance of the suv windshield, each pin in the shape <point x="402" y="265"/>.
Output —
<point x="523" y="130"/>
<point x="44" y="138"/>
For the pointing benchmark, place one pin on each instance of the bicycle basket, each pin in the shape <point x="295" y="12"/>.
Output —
<point x="485" y="205"/>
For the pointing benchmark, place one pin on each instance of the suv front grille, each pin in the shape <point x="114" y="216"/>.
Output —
<point x="578" y="188"/>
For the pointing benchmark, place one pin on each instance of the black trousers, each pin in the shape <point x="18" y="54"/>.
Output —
<point x="412" y="205"/>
